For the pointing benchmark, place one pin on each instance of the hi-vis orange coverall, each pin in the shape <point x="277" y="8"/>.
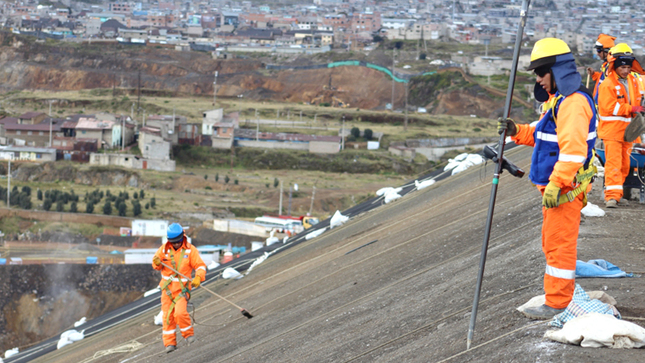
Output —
<point x="175" y="288"/>
<point x="561" y="224"/>
<point x="615" y="113"/>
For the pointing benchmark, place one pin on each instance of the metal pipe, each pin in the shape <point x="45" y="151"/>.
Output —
<point x="498" y="170"/>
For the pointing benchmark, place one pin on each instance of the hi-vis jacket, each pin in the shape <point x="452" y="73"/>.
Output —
<point x="185" y="260"/>
<point x="614" y="107"/>
<point x="563" y="139"/>
<point x="598" y="77"/>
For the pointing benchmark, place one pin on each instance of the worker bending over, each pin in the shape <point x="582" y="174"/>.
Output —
<point x="175" y="290"/>
<point x="561" y="165"/>
<point x="620" y="97"/>
<point x="603" y="45"/>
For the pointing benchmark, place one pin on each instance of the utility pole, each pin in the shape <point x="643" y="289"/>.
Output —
<point x="122" y="133"/>
<point x="9" y="185"/>
<point x="342" y="135"/>
<point x="290" y="193"/>
<point x="173" y="121"/>
<point x="393" y="53"/>
<point x="139" y="92"/>
<point x="313" y="194"/>
<point x="50" y="123"/>
<point x="215" y="89"/>
<point x="280" y="207"/>
<point x="405" y="123"/>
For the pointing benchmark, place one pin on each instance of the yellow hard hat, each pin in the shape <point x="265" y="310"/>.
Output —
<point x="621" y="48"/>
<point x="545" y="50"/>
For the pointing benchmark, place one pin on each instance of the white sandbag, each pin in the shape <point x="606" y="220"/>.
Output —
<point x="383" y="191"/>
<point x="285" y="239"/>
<point x="63" y="342"/>
<point x="475" y="159"/>
<point x="256" y="246"/>
<point x="452" y="163"/>
<point x="461" y="167"/>
<point x="315" y="233"/>
<point x="11" y="352"/>
<point x="461" y="157"/>
<point x="272" y="240"/>
<point x="80" y="322"/>
<point x="159" y="318"/>
<point x="391" y="197"/>
<point x="257" y="261"/>
<point x="213" y="265"/>
<point x="592" y="210"/>
<point x="150" y="292"/>
<point x="338" y="219"/>
<point x="596" y="330"/>
<point x="423" y="184"/>
<point x="231" y="273"/>
<point x="73" y="335"/>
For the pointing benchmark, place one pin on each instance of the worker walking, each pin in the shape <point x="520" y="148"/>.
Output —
<point x="620" y="97"/>
<point x="175" y="290"/>
<point x="603" y="45"/>
<point x="561" y="168"/>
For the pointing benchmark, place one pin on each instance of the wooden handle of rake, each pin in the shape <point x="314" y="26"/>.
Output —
<point x="587" y="85"/>
<point x="205" y="288"/>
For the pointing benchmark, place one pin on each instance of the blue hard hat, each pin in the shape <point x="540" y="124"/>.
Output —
<point x="175" y="233"/>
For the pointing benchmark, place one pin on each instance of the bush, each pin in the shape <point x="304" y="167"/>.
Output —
<point x="147" y="205"/>
<point x="47" y="204"/>
<point x="73" y="208"/>
<point x="122" y="209"/>
<point x="136" y="208"/>
<point x="226" y="179"/>
<point x="60" y="206"/>
<point x="275" y="182"/>
<point x="24" y="200"/>
<point x="355" y="132"/>
<point x="141" y="194"/>
<point x="153" y="202"/>
<point x="368" y="133"/>
<point x="27" y="190"/>
<point x="235" y="182"/>
<point x="39" y="194"/>
<point x="205" y="176"/>
<point x="208" y="187"/>
<point x="216" y="177"/>
<point x="89" y="208"/>
<point x="107" y="208"/>
<point x="267" y="185"/>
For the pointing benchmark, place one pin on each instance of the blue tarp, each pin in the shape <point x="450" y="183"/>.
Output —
<point x="599" y="268"/>
<point x="91" y="260"/>
<point x="3" y="261"/>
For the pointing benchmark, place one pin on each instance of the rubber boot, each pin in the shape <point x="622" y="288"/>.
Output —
<point x="170" y="348"/>
<point x="542" y="312"/>
<point x="611" y="203"/>
<point x="190" y="340"/>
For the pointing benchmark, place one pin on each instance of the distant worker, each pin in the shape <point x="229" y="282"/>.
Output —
<point x="561" y="167"/>
<point x="603" y="45"/>
<point x="620" y="97"/>
<point x="175" y="290"/>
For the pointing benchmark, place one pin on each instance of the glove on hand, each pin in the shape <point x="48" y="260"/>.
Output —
<point x="638" y="109"/>
<point x="551" y="197"/>
<point x="156" y="260"/>
<point x="508" y="125"/>
<point x="196" y="281"/>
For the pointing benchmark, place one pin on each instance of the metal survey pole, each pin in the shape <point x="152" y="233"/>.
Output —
<point x="498" y="169"/>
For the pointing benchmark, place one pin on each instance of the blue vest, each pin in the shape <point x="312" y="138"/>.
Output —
<point x="603" y="69"/>
<point x="547" y="150"/>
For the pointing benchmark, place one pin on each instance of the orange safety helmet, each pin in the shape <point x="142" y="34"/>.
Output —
<point x="604" y="43"/>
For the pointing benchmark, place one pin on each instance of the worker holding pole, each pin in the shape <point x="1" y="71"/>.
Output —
<point x="175" y="286"/>
<point x="603" y="45"/>
<point x="561" y="166"/>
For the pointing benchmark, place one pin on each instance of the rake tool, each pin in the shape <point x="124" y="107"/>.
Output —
<point x="242" y="310"/>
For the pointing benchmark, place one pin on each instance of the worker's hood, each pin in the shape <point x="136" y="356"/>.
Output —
<point x="566" y="77"/>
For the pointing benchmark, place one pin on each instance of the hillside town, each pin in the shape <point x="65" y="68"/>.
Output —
<point x="321" y="25"/>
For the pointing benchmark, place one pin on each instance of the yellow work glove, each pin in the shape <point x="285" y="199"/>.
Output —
<point x="508" y="125"/>
<point x="196" y="281"/>
<point x="156" y="260"/>
<point x="551" y="197"/>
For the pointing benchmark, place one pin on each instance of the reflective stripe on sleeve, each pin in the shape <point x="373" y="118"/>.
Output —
<point x="616" y="108"/>
<point x="200" y="268"/>
<point x="560" y="273"/>
<point x="615" y="118"/>
<point x="572" y="158"/>
<point x="613" y="187"/>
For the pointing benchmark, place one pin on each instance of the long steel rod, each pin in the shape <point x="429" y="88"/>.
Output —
<point x="498" y="170"/>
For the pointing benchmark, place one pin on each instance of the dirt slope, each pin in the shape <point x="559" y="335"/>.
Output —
<point x="406" y="297"/>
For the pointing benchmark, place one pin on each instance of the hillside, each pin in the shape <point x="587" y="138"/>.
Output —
<point x="396" y="285"/>
<point x="57" y="66"/>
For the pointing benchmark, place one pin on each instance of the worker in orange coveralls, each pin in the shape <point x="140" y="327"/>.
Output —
<point x="561" y="167"/>
<point x="175" y="290"/>
<point x="620" y="97"/>
<point x="603" y="45"/>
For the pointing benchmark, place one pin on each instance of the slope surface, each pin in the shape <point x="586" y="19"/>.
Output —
<point x="405" y="297"/>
